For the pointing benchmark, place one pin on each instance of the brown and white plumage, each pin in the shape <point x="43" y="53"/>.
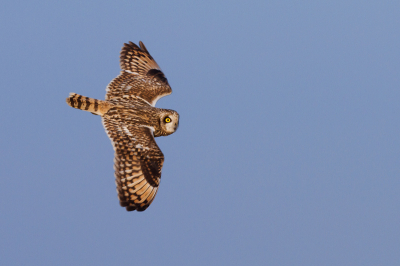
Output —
<point x="140" y="76"/>
<point x="131" y="121"/>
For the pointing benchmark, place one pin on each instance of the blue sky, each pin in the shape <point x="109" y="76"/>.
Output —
<point x="287" y="151"/>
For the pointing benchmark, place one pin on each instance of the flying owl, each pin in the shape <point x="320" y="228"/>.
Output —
<point x="132" y="121"/>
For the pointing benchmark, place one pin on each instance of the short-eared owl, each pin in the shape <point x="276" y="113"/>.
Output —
<point x="131" y="121"/>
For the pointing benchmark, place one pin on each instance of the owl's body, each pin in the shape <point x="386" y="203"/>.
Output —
<point x="131" y="121"/>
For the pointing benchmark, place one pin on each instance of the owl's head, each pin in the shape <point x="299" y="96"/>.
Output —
<point x="169" y="122"/>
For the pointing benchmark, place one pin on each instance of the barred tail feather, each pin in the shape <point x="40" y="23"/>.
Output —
<point x="96" y="107"/>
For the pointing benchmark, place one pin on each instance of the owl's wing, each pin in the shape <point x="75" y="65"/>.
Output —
<point x="140" y="76"/>
<point x="137" y="163"/>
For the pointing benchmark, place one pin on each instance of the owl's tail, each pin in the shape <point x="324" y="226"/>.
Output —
<point x="96" y="107"/>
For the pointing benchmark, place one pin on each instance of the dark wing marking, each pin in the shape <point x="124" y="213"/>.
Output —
<point x="140" y="76"/>
<point x="138" y="162"/>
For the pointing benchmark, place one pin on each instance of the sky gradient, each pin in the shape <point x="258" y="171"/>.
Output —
<point x="287" y="151"/>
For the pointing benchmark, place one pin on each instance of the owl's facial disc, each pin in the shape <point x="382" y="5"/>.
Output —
<point x="170" y="122"/>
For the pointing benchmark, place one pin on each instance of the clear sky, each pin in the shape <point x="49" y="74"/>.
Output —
<point x="288" y="149"/>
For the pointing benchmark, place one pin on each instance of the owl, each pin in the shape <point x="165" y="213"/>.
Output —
<point x="132" y="121"/>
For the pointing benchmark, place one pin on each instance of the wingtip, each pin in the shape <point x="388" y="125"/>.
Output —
<point x="130" y="45"/>
<point x="130" y="61"/>
<point x="143" y="47"/>
<point x="130" y="208"/>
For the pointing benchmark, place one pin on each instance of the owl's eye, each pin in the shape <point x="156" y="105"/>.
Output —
<point x="167" y="119"/>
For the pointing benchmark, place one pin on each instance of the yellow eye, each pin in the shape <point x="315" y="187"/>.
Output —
<point x="167" y="120"/>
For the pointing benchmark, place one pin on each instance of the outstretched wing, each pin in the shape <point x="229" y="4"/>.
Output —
<point x="137" y="163"/>
<point x="140" y="76"/>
